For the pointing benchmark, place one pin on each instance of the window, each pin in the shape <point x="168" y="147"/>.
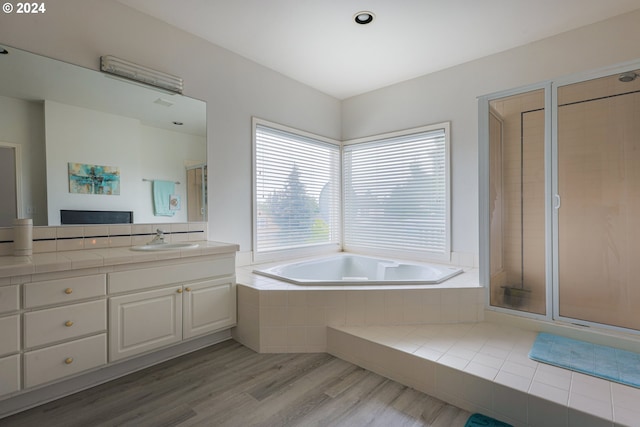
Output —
<point x="296" y="192"/>
<point x="396" y="197"/>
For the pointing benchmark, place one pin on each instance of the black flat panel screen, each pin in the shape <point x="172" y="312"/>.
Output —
<point x="96" y="217"/>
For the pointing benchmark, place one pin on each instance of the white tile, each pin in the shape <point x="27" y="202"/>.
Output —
<point x="550" y="393"/>
<point x="453" y="361"/>
<point x="512" y="380"/>
<point x="478" y="391"/>
<point x="119" y="241"/>
<point x="69" y="244"/>
<point x="296" y="316"/>
<point x="557" y="377"/>
<point x="595" y="388"/>
<point x="69" y="231"/>
<point x="518" y="369"/>
<point x="582" y="419"/>
<point x="487" y="360"/>
<point x="296" y="337"/>
<point x="44" y="232"/>
<point x="96" y="230"/>
<point x="119" y="230"/>
<point x="626" y="416"/>
<point x="590" y="406"/>
<point x="543" y="413"/>
<point x="510" y="403"/>
<point x="625" y="396"/>
<point x="481" y="370"/>
<point x="317" y="337"/>
<point x="428" y="353"/>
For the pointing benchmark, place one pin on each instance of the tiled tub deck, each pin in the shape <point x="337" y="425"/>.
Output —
<point x="436" y="340"/>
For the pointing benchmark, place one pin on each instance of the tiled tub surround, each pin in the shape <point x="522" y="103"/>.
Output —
<point x="276" y="317"/>
<point x="76" y="237"/>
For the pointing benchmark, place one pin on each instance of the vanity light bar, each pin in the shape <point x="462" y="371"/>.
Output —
<point x="120" y="67"/>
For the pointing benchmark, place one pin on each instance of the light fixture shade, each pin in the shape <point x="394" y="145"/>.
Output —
<point x="120" y="67"/>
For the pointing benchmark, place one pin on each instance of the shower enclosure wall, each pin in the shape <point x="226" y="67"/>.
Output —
<point x="560" y="200"/>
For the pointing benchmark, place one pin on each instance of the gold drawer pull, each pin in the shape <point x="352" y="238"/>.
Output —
<point x="68" y="323"/>
<point x="68" y="360"/>
<point x="187" y="289"/>
<point x="179" y="291"/>
<point x="68" y="291"/>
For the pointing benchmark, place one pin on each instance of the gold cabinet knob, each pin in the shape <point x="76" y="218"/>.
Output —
<point x="68" y="291"/>
<point x="68" y="360"/>
<point x="68" y="323"/>
<point x="188" y="289"/>
<point x="179" y="291"/>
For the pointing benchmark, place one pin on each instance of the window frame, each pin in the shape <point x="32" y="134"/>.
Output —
<point x="425" y="255"/>
<point x="304" y="250"/>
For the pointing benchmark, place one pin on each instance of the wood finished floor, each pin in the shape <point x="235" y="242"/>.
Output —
<point x="230" y="385"/>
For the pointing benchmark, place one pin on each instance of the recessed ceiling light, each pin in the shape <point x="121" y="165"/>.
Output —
<point x="363" y="17"/>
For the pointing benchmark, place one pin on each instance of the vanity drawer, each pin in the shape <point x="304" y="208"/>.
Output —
<point x="57" y="324"/>
<point x="52" y="363"/>
<point x="123" y="281"/>
<point x="10" y="333"/>
<point x="49" y="292"/>
<point x="9" y="299"/>
<point x="9" y="374"/>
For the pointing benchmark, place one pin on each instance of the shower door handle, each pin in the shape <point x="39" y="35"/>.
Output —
<point x="557" y="201"/>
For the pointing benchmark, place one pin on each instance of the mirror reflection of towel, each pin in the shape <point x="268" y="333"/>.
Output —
<point x="162" y="191"/>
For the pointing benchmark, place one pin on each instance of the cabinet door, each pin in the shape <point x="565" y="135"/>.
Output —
<point x="208" y="306"/>
<point x="144" y="321"/>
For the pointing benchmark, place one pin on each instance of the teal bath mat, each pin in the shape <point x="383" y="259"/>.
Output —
<point x="592" y="359"/>
<point x="479" y="420"/>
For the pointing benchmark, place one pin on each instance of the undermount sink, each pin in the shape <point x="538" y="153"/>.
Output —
<point x="164" y="246"/>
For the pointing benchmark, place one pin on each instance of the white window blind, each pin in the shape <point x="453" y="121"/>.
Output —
<point x="297" y="190"/>
<point x="396" y="194"/>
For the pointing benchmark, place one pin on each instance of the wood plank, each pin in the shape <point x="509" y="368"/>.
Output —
<point x="230" y="385"/>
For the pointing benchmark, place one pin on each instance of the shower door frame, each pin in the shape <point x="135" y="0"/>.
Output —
<point x="552" y="199"/>
<point x="484" y="205"/>
<point x="558" y="83"/>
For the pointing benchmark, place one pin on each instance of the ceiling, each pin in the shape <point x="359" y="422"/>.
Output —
<point x="318" y="43"/>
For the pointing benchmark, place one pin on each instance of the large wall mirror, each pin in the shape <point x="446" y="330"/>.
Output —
<point x="57" y="118"/>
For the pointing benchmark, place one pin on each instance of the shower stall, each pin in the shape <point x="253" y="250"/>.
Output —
<point x="560" y="199"/>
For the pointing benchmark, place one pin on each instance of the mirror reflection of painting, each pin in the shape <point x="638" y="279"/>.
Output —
<point x="94" y="179"/>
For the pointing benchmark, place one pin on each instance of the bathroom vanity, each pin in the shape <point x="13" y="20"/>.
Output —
<point x="73" y="319"/>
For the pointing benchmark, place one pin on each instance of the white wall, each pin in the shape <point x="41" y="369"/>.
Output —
<point x="80" y="135"/>
<point x="451" y="95"/>
<point x="235" y="89"/>
<point x="22" y="123"/>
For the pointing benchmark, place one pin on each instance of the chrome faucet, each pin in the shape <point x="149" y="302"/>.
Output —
<point x="158" y="239"/>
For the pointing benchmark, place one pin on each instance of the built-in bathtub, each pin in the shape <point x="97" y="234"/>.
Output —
<point x="349" y="269"/>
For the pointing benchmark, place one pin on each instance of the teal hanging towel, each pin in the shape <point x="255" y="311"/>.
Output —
<point x="162" y="191"/>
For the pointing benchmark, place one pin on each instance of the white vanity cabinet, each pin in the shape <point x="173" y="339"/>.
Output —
<point x="183" y="301"/>
<point x="64" y="328"/>
<point x="10" y="342"/>
<point x="65" y="323"/>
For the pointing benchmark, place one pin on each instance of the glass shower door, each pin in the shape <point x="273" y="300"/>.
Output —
<point x="517" y="276"/>
<point x="598" y="218"/>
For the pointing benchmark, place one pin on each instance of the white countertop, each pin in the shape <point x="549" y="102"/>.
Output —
<point x="89" y="258"/>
